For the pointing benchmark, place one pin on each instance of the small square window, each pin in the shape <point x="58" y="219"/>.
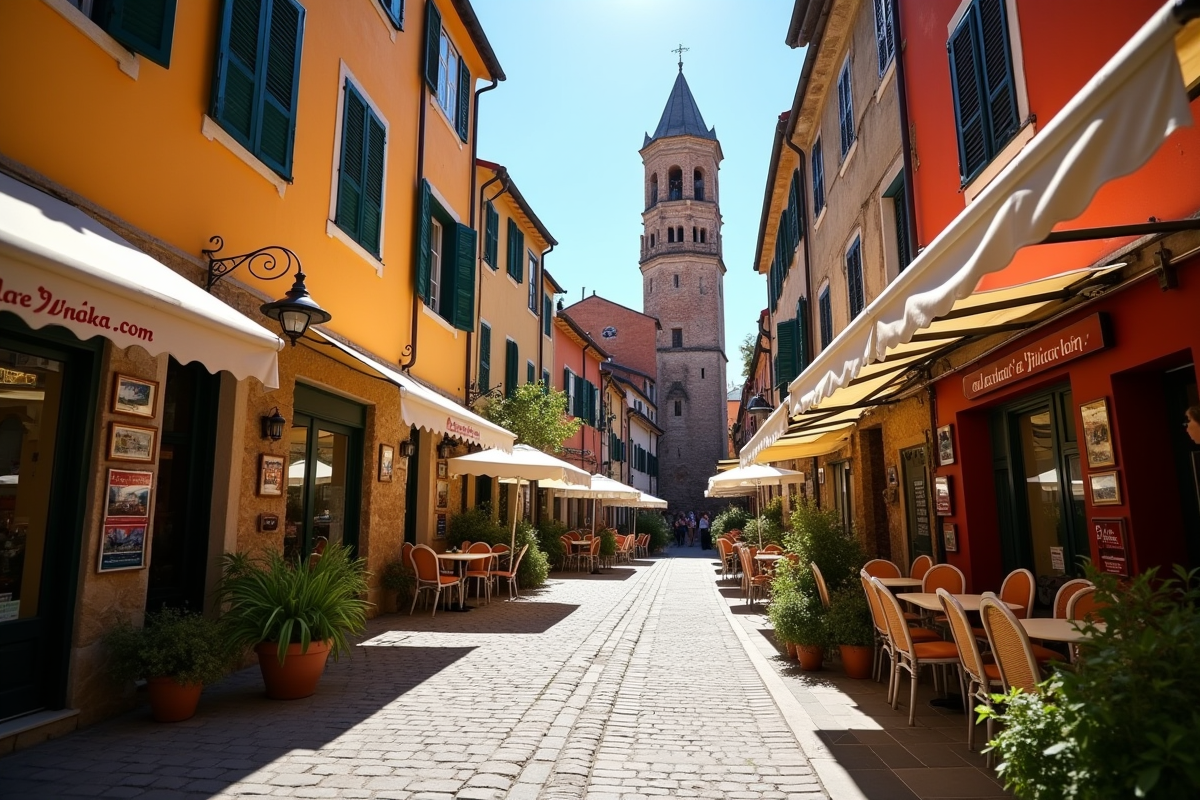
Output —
<point x="676" y="337"/>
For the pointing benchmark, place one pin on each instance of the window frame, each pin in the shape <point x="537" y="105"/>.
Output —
<point x="847" y="135"/>
<point x="334" y="228"/>
<point x="854" y="251"/>
<point x="447" y="88"/>
<point x="534" y="280"/>
<point x="437" y="233"/>
<point x="825" y="316"/>
<point x="817" y="157"/>
<point x="885" y="35"/>
<point x="676" y="338"/>
<point x="394" y="10"/>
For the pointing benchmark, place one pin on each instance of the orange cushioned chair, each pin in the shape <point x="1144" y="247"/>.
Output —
<point x="910" y="655"/>
<point x="881" y="568"/>
<point x="920" y="566"/>
<point x="1010" y="645"/>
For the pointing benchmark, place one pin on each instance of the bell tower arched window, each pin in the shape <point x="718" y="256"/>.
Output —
<point x="698" y="184"/>
<point x="675" y="184"/>
<point x="670" y="235"/>
<point x="654" y="190"/>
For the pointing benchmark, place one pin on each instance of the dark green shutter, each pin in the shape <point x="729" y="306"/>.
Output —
<point x="845" y="110"/>
<point x="372" y="212"/>
<point x="968" y="101"/>
<point x="803" y="347"/>
<point x="530" y="372"/>
<point x="433" y="44"/>
<point x="279" y="86"/>
<point x="491" y="234"/>
<point x="350" y="174"/>
<point x="997" y="73"/>
<point x="485" y="357"/>
<point x="395" y="12"/>
<point x="511" y="357"/>
<point x="854" y="279"/>
<point x="144" y="26"/>
<point x="785" y="354"/>
<point x="464" y="101"/>
<point x="900" y="207"/>
<point x="826" y="314"/>
<point x="818" y="177"/>
<point x="547" y="314"/>
<point x="516" y="252"/>
<point x="464" y="278"/>
<point x="235" y="79"/>
<point x="424" y="212"/>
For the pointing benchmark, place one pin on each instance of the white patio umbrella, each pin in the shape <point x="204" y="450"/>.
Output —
<point x="750" y="480"/>
<point x="600" y="487"/>
<point x="650" y="501"/>
<point x="524" y="463"/>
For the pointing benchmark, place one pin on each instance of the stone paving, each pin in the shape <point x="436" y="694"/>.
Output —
<point x="625" y="685"/>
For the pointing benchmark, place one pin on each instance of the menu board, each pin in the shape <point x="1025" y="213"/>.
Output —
<point x="1110" y="538"/>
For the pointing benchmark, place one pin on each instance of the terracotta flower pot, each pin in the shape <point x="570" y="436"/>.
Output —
<point x="857" y="660"/>
<point x="791" y="649"/>
<point x="298" y="675"/>
<point x="172" y="701"/>
<point x="810" y="657"/>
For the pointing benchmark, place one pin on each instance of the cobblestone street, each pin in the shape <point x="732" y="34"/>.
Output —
<point x="622" y="685"/>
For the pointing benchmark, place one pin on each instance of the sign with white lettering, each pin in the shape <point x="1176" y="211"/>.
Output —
<point x="1083" y="338"/>
<point x="1110" y="537"/>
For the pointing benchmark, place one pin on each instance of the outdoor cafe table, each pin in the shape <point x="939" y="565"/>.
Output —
<point x="464" y="559"/>
<point x="902" y="583"/>
<point x="1055" y="630"/>
<point x="769" y="558"/>
<point x="930" y="602"/>
<point x="579" y="544"/>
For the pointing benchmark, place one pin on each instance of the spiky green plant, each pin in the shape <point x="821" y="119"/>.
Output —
<point x="272" y="599"/>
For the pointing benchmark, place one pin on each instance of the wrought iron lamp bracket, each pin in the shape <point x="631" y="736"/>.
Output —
<point x="474" y="394"/>
<point x="266" y="263"/>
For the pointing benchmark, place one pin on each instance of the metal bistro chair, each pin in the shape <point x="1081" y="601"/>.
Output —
<point x="510" y="575"/>
<point x="425" y="567"/>
<point x="910" y="656"/>
<point x="725" y="553"/>
<point x="480" y="571"/>
<point x="977" y="678"/>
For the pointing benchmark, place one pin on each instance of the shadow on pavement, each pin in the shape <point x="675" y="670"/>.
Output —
<point x="534" y="618"/>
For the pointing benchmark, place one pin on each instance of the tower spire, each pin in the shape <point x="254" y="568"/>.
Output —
<point x="681" y="50"/>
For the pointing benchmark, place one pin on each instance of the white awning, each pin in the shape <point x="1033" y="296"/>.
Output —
<point x="425" y="408"/>
<point x="58" y="266"/>
<point x="1110" y="128"/>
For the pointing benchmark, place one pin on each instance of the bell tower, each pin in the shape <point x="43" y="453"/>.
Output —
<point x="682" y="286"/>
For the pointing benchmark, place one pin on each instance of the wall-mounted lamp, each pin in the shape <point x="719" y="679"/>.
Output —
<point x="272" y="425"/>
<point x="297" y="310"/>
<point x="445" y="448"/>
<point x="758" y="407"/>
<point x="408" y="448"/>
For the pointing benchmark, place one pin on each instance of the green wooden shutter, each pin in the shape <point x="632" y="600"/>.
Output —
<point x="785" y="354"/>
<point x="530" y="372"/>
<point x="144" y="26"/>
<point x="512" y="261"/>
<point x="854" y="279"/>
<point x="511" y="357"/>
<point x="966" y="85"/>
<point x="395" y="12"/>
<point x="235" y="78"/>
<point x="825" y="308"/>
<point x="462" y="123"/>
<point x="818" y="177"/>
<point x="464" y="278"/>
<point x="485" y="357"/>
<point x="997" y="73"/>
<point x="803" y="345"/>
<point x="433" y="43"/>
<point x="547" y="314"/>
<point x="279" y="86"/>
<point x="372" y="212"/>
<point x="424" y="212"/>
<point x="491" y="234"/>
<point x="350" y="174"/>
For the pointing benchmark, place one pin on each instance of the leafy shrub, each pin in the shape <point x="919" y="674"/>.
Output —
<point x="475" y="525"/>
<point x="817" y="535"/>
<point x="173" y="644"/>
<point x="398" y="577"/>
<point x="796" y="617"/>
<point x="1125" y="723"/>
<point x="535" y="567"/>
<point x="272" y="599"/>
<point x="549" y="531"/>
<point x="652" y="522"/>
<point x="733" y="518"/>
<point x="849" y="617"/>
<point x="762" y="531"/>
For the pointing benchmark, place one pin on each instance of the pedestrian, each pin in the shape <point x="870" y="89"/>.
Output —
<point x="691" y="523"/>
<point x="1191" y="422"/>
<point x="705" y="532"/>
<point x="680" y="529"/>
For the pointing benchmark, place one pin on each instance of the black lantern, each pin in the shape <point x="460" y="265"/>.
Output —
<point x="445" y="447"/>
<point x="297" y="310"/>
<point x="408" y="448"/>
<point x="272" y="425"/>
<point x="758" y="407"/>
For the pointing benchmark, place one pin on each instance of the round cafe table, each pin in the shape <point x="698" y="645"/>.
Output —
<point x="1055" y="630"/>
<point x="464" y="559"/>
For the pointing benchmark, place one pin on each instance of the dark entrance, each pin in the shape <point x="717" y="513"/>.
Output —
<point x="1181" y="394"/>
<point x="914" y="466"/>
<point x="179" y="548"/>
<point x="47" y="400"/>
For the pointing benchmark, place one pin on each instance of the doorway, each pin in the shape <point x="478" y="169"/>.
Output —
<point x="843" y="496"/>
<point x="914" y="466"/>
<point x="1181" y="394"/>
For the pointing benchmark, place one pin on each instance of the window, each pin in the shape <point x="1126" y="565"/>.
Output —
<point x="981" y="80"/>
<point x="395" y="12"/>
<point x="826" y="317"/>
<point x="679" y="234"/>
<point x="545" y="381"/>
<point x="695" y="234"/>
<point x="854" y="278"/>
<point x="147" y="31"/>
<point x="446" y="263"/>
<point x="258" y="77"/>
<point x="547" y="314"/>
<point x="675" y="184"/>
<point x="654" y="190"/>
<point x="516" y="252"/>
<point x="569" y="391"/>
<point x="818" y="178"/>
<point x="533" y="284"/>
<point x="698" y="184"/>
<point x="702" y="373"/>
<point x="650" y="286"/>
<point x="491" y="235"/>
<point x="676" y="337"/>
<point x="446" y="73"/>
<point x="791" y="346"/>
<point x="895" y="193"/>
<point x="484" y="380"/>
<point x="679" y="408"/>
<point x="676" y="281"/>
<point x="885" y="37"/>
<point x="652" y="240"/>
<point x="703" y="235"/>
<point x="361" y="171"/>
<point x="670" y="235"/>
<point x="512" y="362"/>
<point x="845" y="109"/>
<point x="530" y="372"/>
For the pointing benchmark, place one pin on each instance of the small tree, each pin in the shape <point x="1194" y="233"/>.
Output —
<point x="537" y="415"/>
<point x="746" y="350"/>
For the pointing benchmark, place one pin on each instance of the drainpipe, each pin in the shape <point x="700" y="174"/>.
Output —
<point x="541" y="339"/>
<point x="583" y="374"/>
<point x="501" y="175"/>
<point x="474" y="153"/>
<point x="910" y="201"/>
<point x="410" y="349"/>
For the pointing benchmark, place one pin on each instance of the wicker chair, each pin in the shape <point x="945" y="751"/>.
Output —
<point x="882" y="643"/>
<point x="510" y="575"/>
<point x="944" y="576"/>
<point x="979" y="678"/>
<point x="1019" y="587"/>
<point x="920" y="566"/>
<point x="1010" y="645"/>
<point x="1065" y="593"/>
<point x="881" y="568"/>
<point x="1083" y="605"/>
<point x="821" y="587"/>
<point x="752" y="582"/>
<point x="909" y="655"/>
<point x="726" y="554"/>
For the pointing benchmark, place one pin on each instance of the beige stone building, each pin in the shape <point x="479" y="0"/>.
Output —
<point x="682" y="286"/>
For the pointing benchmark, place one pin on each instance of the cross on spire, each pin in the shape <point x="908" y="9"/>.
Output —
<point x="681" y="50"/>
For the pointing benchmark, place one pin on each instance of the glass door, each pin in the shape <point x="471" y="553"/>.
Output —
<point x="1043" y="494"/>
<point x="324" y="473"/>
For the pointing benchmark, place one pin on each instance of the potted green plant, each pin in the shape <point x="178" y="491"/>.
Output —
<point x="293" y="614"/>
<point x="799" y="619"/>
<point x="608" y="546"/>
<point x="177" y="653"/>
<point x="850" y="627"/>
<point x="398" y="579"/>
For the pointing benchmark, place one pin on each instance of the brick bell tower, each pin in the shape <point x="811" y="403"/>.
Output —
<point x="682" y="285"/>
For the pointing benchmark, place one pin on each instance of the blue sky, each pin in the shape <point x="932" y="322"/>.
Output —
<point x="587" y="79"/>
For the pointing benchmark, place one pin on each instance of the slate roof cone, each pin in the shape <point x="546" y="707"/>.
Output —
<point x="681" y="117"/>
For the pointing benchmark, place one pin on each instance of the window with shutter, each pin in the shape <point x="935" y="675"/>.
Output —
<point x="845" y="108"/>
<point x="144" y="26"/>
<point x="547" y="314"/>
<point x="803" y="347"/>
<point x="485" y="357"/>
<point x="424" y="235"/>
<point x="895" y="193"/>
<point x="545" y="381"/>
<point x="516" y="252"/>
<point x="885" y="39"/>
<point x="785" y="354"/>
<point x="462" y="121"/>
<point x="433" y="41"/>
<point x="533" y="284"/>
<point x="395" y="12"/>
<point x="512" y="361"/>
<point x="257" y="77"/>
<point x="854" y="278"/>
<point x="981" y="79"/>
<point x="361" y="171"/>
<point x="463" y="314"/>
<point x="818" y="178"/>
<point x="491" y="235"/>
<point x="530" y="372"/>
<point x="825" y="312"/>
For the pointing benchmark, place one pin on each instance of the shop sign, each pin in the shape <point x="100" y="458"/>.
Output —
<point x="1110" y="538"/>
<point x="1081" y="339"/>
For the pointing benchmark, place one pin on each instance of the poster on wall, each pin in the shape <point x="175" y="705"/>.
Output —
<point x="1110" y="539"/>
<point x="126" y="520"/>
<point x="942" y="503"/>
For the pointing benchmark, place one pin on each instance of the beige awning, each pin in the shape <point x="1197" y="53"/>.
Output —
<point x="58" y="266"/>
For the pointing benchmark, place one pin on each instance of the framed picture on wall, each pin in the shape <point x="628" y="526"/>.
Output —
<point x="131" y="443"/>
<point x="942" y="502"/>
<point x="443" y="495"/>
<point x="443" y="469"/>
<point x="950" y="537"/>
<point x="134" y="396"/>
<point x="387" y="462"/>
<point x="1106" y="488"/>
<point x="270" y="475"/>
<point x="1097" y="434"/>
<point x="945" y="445"/>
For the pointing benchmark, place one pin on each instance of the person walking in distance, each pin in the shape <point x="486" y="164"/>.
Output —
<point x="691" y="525"/>
<point x="680" y="529"/>
<point x="705" y="533"/>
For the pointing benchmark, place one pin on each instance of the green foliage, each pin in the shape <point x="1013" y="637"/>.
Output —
<point x="398" y="577"/>
<point x="849" y="617"/>
<point x="536" y="415"/>
<point x="817" y="535"/>
<point x="608" y="543"/>
<point x="746" y="351"/>
<point x="475" y="525"/>
<point x="271" y="599"/>
<point x="535" y="567"/>
<point x="762" y="531"/>
<point x="652" y="522"/>
<point x="796" y="617"/>
<point x="733" y="518"/>
<point x="549" y="531"/>
<point x="173" y="644"/>
<point x="1125" y="723"/>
